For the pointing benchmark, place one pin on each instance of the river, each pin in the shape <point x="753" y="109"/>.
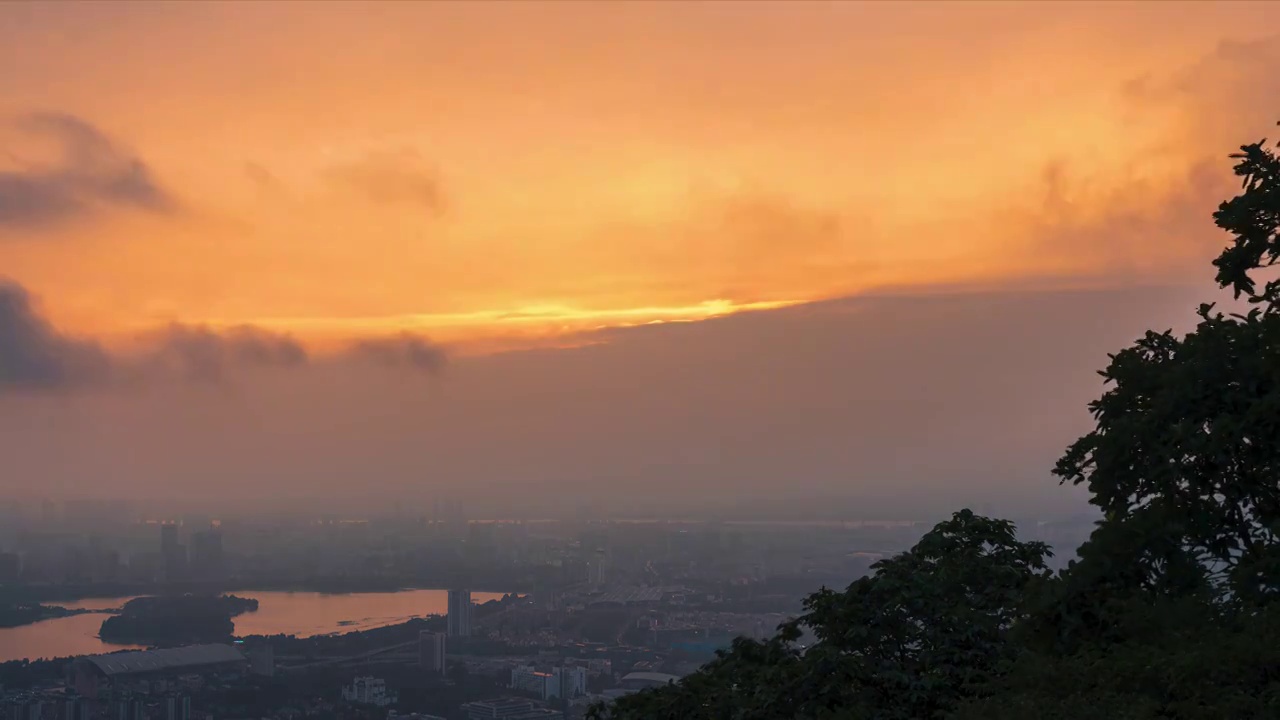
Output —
<point x="290" y="613"/>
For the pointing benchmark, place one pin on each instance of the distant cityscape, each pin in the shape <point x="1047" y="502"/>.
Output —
<point x="577" y="611"/>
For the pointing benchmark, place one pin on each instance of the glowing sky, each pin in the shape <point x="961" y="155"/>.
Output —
<point x="337" y="167"/>
<point x="499" y="175"/>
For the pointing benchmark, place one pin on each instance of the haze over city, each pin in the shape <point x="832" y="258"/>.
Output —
<point x="840" y="260"/>
<point x="639" y="360"/>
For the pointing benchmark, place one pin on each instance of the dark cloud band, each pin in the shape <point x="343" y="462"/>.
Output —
<point x="89" y="172"/>
<point x="36" y="356"/>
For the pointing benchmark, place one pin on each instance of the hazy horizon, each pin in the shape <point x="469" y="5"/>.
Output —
<point x="835" y="260"/>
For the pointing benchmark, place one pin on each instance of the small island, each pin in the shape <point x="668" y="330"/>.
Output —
<point x="176" y="619"/>
<point x="18" y="614"/>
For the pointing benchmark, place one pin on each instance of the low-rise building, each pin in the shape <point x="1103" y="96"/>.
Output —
<point x="509" y="709"/>
<point x="642" y="680"/>
<point x="369" y="691"/>
<point x="92" y="673"/>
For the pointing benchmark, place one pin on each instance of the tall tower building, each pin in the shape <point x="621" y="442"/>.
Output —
<point x="459" y="613"/>
<point x="598" y="568"/>
<point x="205" y="558"/>
<point x="172" y="552"/>
<point x="431" y="649"/>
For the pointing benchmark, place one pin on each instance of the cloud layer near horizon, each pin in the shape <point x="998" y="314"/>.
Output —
<point x="36" y="356"/>
<point x="894" y="405"/>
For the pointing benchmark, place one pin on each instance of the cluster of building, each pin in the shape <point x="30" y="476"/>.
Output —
<point x="45" y="706"/>
<point x="369" y="691"/>
<point x="136" y="685"/>
<point x="199" y="559"/>
<point x="150" y="672"/>
<point x="651" y="601"/>
<point x="433" y="646"/>
<point x="60" y="706"/>
<point x="53" y="560"/>
<point x="551" y="682"/>
<point x="509" y="708"/>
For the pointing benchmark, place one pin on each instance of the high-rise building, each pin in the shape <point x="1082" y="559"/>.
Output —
<point x="77" y="709"/>
<point x="531" y="680"/>
<point x="262" y="660"/>
<point x="206" y="554"/>
<point x="459" y="613"/>
<point x="571" y="682"/>
<point x="177" y="707"/>
<point x="168" y="537"/>
<point x="558" y="682"/>
<point x="130" y="709"/>
<point x="10" y="567"/>
<point x="431" y="652"/>
<point x="598" y="568"/>
<point x="173" y="553"/>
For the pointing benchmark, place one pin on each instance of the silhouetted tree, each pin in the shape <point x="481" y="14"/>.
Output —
<point x="928" y="629"/>
<point x="1168" y="611"/>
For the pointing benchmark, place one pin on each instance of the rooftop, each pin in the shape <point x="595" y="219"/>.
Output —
<point x="628" y="595"/>
<point x="653" y="677"/>
<point x="147" y="661"/>
<point x="507" y="703"/>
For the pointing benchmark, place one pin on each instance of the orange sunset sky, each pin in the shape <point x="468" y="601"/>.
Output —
<point x="507" y="176"/>
<point x="470" y="169"/>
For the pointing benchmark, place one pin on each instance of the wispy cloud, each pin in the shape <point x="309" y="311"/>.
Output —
<point x="394" y="177"/>
<point x="198" y="353"/>
<point x="403" y="351"/>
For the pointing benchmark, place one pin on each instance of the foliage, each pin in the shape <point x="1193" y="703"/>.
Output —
<point x="926" y="630"/>
<point x="22" y="674"/>
<point x="1169" y="609"/>
<point x="176" y="619"/>
<point x="17" y="614"/>
<point x="1192" y="669"/>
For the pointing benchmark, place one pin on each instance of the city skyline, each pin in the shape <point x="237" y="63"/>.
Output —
<point x="555" y="360"/>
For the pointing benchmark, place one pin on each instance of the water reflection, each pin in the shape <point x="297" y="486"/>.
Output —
<point x="303" y="614"/>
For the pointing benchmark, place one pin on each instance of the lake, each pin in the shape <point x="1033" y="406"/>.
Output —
<point x="290" y="613"/>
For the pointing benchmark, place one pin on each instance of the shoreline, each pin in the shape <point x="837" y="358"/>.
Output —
<point x="52" y="612"/>
<point x="343" y="625"/>
<point x="51" y="595"/>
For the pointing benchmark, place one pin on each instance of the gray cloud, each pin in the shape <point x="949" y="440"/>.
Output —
<point x="89" y="172"/>
<point x="405" y="351"/>
<point x="35" y="356"/>
<point x="199" y="354"/>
